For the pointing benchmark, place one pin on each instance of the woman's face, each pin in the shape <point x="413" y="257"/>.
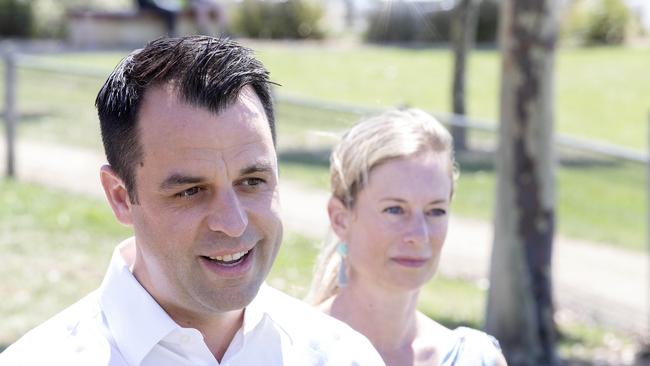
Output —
<point x="398" y="224"/>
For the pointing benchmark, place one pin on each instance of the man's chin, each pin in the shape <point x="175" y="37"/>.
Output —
<point x="233" y="298"/>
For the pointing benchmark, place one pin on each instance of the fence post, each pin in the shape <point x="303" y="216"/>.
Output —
<point x="10" y="108"/>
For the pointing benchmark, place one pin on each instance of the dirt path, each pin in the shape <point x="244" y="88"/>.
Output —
<point x="606" y="284"/>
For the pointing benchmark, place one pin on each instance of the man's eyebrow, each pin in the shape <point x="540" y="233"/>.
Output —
<point x="176" y="180"/>
<point x="260" y="167"/>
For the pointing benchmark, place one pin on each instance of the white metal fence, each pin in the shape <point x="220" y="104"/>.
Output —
<point x="328" y="112"/>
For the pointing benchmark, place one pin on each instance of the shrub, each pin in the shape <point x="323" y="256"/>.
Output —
<point x="16" y="18"/>
<point x="398" y="23"/>
<point x="487" y="28"/>
<point x="404" y="22"/>
<point x="289" y="19"/>
<point x="597" y="22"/>
<point x="608" y="22"/>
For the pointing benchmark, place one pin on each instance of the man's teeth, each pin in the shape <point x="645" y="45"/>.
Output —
<point x="229" y="257"/>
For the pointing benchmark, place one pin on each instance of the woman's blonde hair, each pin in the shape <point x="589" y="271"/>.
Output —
<point x="371" y="142"/>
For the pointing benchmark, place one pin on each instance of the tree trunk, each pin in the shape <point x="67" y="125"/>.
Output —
<point x="349" y="13"/>
<point x="463" y="33"/>
<point x="520" y="304"/>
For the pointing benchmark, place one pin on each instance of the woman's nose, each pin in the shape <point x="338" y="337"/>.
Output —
<point x="418" y="230"/>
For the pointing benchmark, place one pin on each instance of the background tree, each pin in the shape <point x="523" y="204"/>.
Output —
<point x="463" y="33"/>
<point x="520" y="304"/>
<point x="349" y="13"/>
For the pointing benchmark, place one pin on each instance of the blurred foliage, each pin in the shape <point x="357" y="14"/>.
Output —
<point x="290" y="19"/>
<point x="405" y="22"/>
<point x="16" y="18"/>
<point x="596" y="22"/>
<point x="608" y="22"/>
<point x="402" y="22"/>
<point x="47" y="18"/>
<point x="487" y="28"/>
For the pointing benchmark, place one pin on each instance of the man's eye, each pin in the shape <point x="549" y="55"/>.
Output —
<point x="251" y="182"/>
<point x="189" y="192"/>
<point x="394" y="210"/>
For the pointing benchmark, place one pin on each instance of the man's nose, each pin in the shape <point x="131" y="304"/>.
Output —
<point x="227" y="214"/>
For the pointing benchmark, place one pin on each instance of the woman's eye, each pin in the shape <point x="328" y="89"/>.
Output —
<point x="437" y="212"/>
<point x="394" y="210"/>
<point x="189" y="192"/>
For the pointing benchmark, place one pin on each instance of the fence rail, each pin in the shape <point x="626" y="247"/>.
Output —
<point x="450" y="119"/>
<point x="15" y="60"/>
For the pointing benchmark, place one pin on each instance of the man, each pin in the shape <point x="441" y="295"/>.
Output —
<point x="188" y="129"/>
<point x="169" y="10"/>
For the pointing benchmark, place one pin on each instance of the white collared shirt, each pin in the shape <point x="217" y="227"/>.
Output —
<point x="120" y="324"/>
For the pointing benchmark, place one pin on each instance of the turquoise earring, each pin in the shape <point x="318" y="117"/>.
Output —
<point x="342" y="277"/>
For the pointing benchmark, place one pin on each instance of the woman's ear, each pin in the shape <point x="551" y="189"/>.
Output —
<point x="116" y="194"/>
<point x="340" y="217"/>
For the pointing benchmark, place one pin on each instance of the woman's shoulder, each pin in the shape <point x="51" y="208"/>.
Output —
<point x="461" y="346"/>
<point x="472" y="347"/>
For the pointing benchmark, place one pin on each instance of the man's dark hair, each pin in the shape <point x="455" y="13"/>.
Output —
<point x="207" y="72"/>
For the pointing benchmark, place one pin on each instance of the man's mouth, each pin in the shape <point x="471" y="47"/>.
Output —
<point x="230" y="260"/>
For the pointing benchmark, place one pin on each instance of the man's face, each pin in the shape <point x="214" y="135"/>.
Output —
<point x="207" y="223"/>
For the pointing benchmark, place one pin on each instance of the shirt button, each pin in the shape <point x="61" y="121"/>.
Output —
<point x="185" y="339"/>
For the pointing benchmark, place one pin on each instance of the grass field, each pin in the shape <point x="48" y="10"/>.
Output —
<point x="602" y="201"/>
<point x="601" y="93"/>
<point x="56" y="247"/>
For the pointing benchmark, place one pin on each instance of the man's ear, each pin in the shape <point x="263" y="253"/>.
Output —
<point x="340" y="217"/>
<point x="116" y="194"/>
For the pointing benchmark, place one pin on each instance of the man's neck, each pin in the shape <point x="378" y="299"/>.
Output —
<point x="218" y="331"/>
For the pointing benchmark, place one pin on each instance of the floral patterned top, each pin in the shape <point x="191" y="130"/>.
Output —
<point x="471" y="347"/>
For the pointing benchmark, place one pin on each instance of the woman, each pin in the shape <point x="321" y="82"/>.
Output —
<point x="392" y="182"/>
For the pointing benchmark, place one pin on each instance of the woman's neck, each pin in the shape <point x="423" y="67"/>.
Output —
<point x="387" y="318"/>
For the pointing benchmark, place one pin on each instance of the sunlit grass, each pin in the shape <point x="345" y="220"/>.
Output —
<point x="602" y="201"/>
<point x="56" y="247"/>
<point x="601" y="92"/>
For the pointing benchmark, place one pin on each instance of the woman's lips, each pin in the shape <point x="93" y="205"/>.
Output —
<point x="410" y="262"/>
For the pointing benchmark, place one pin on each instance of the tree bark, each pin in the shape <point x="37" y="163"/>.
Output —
<point x="463" y="34"/>
<point x="10" y="109"/>
<point x="520" y="303"/>
<point x="349" y="13"/>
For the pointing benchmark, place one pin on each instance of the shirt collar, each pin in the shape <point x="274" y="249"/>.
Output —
<point x="255" y="311"/>
<point x="268" y="305"/>
<point x="136" y="321"/>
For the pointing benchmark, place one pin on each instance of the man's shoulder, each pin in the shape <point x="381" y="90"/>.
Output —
<point x="297" y="317"/>
<point x="330" y="338"/>
<point x="73" y="337"/>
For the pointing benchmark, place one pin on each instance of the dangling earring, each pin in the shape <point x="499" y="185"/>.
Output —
<point x="342" y="277"/>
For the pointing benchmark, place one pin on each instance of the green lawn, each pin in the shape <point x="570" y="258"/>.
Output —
<point x="56" y="247"/>
<point x="602" y="94"/>
<point x="598" y="200"/>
